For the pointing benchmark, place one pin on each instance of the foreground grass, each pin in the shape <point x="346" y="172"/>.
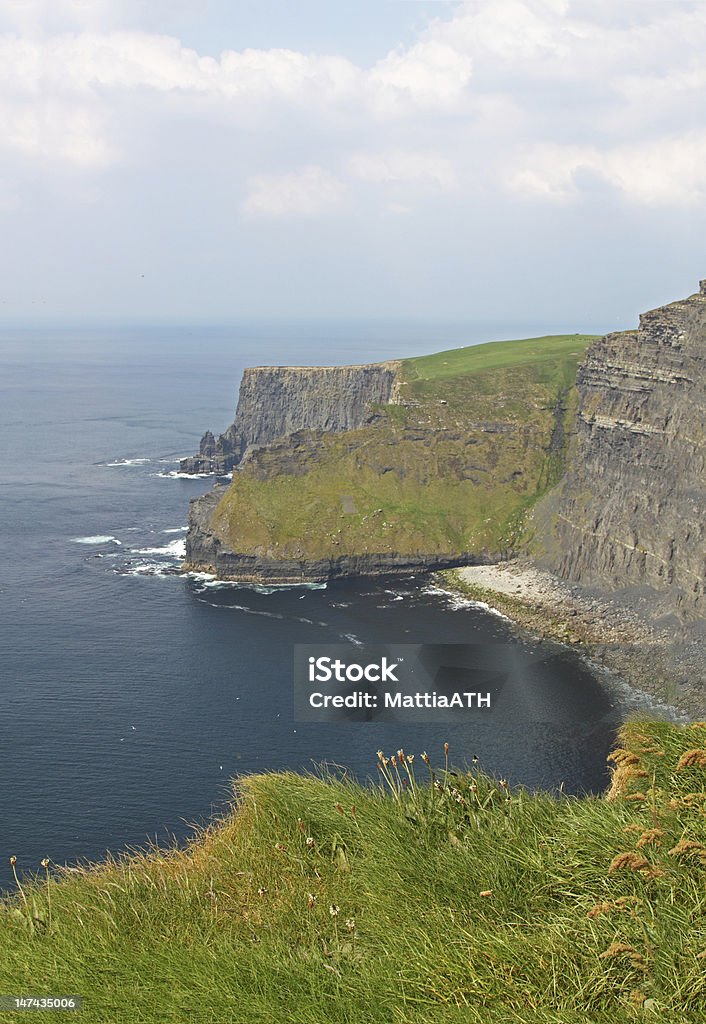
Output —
<point x="321" y="901"/>
<point x="479" y="435"/>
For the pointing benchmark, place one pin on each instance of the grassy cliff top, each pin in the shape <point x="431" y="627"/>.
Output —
<point x="478" y="435"/>
<point x="550" y="350"/>
<point x="319" y="900"/>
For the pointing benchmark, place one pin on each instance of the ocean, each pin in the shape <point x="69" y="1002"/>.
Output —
<point x="131" y="694"/>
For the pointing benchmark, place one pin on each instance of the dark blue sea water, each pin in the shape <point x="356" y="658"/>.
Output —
<point x="130" y="696"/>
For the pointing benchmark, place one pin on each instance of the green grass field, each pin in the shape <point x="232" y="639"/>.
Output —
<point x="451" y="469"/>
<point x="495" y="355"/>
<point x="319" y="901"/>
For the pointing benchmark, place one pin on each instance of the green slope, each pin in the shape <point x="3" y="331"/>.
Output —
<point x="322" y="902"/>
<point x="548" y="350"/>
<point x="480" y="434"/>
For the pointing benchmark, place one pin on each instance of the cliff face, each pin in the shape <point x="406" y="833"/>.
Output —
<point x="276" y="401"/>
<point x="388" y="467"/>
<point x="631" y="510"/>
<point x="206" y="552"/>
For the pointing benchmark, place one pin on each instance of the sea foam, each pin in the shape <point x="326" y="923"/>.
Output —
<point x="175" y="474"/>
<point x="177" y="549"/>
<point x="127" y="462"/>
<point x="457" y="603"/>
<point x="97" y="539"/>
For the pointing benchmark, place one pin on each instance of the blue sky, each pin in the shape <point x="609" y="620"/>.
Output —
<point x="504" y="161"/>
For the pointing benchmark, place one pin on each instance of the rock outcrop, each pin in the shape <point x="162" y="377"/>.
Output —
<point x="276" y="401"/>
<point x="390" y="467"/>
<point x="206" y="552"/>
<point x="630" y="512"/>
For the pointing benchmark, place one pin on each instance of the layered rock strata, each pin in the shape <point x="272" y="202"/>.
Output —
<point x="206" y="552"/>
<point x="630" y="513"/>
<point x="276" y="401"/>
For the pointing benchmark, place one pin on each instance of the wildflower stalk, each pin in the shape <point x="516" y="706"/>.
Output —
<point x="13" y="861"/>
<point x="384" y="767"/>
<point x="393" y="761"/>
<point x="409" y="769"/>
<point x="45" y="865"/>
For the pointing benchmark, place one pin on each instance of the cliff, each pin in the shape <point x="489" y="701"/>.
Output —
<point x="207" y="551"/>
<point x="629" y="514"/>
<point x="276" y="401"/>
<point x="386" y="468"/>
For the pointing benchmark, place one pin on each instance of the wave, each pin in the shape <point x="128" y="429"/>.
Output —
<point x="208" y="580"/>
<point x="353" y="639"/>
<point x="177" y="529"/>
<point x="457" y="603"/>
<point x="177" y="549"/>
<point x="265" y="614"/>
<point x="244" y="608"/>
<point x="200" y="577"/>
<point x="97" y="539"/>
<point x="175" y="474"/>
<point x="126" y="462"/>
<point x="157" y="569"/>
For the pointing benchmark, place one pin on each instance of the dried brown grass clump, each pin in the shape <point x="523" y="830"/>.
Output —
<point x="689" y="848"/>
<point x="620" y="780"/>
<point x="652" y="837"/>
<point x="623" y="757"/>
<point x="600" y="909"/>
<point x="631" y="861"/>
<point x="626" y="769"/>
<point x="623" y="949"/>
<point x="695" y="758"/>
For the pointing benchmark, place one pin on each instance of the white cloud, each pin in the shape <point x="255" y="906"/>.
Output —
<point x="549" y="171"/>
<point x="404" y="166"/>
<point x="428" y="74"/>
<point x="50" y="132"/>
<point x="670" y="172"/>
<point x="45" y="17"/>
<point x="613" y="89"/>
<point x="120" y="61"/>
<point x="307" y="192"/>
<point x="516" y="31"/>
<point x="666" y="171"/>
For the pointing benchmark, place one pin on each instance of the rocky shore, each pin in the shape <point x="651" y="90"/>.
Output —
<point x="612" y="632"/>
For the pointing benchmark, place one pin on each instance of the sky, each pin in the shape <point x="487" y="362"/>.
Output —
<point x="499" y="161"/>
